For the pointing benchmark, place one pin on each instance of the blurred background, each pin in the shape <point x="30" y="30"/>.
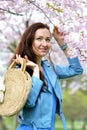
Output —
<point x="71" y="17"/>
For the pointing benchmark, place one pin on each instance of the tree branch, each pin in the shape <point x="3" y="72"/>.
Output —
<point x="41" y="11"/>
<point x="8" y="11"/>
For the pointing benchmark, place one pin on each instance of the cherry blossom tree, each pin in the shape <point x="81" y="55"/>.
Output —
<point x="69" y="15"/>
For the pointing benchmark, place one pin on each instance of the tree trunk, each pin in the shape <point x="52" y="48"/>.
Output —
<point x="84" y="124"/>
<point x="72" y="124"/>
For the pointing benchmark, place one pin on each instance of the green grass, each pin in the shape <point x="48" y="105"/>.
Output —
<point x="10" y="124"/>
<point x="77" y="125"/>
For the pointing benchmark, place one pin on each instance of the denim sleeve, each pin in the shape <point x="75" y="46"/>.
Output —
<point x="34" y="93"/>
<point x="74" y="68"/>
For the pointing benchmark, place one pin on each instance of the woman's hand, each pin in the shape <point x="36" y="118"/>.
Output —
<point x="59" y="36"/>
<point x="33" y="66"/>
<point x="30" y="64"/>
<point x="18" y="59"/>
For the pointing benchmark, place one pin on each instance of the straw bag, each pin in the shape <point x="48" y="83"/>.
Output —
<point x="18" y="84"/>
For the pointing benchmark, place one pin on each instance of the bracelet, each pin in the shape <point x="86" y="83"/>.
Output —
<point x="64" y="47"/>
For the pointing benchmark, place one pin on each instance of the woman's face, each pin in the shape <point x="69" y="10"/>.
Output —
<point x="41" y="43"/>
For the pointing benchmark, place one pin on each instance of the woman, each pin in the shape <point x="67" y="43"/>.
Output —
<point x="44" y="100"/>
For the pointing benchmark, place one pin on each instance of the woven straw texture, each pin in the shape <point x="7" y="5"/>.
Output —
<point x="18" y="85"/>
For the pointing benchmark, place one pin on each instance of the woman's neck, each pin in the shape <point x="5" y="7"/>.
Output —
<point x="39" y="63"/>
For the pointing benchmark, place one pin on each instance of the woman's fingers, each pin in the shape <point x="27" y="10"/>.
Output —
<point x="59" y="36"/>
<point x="18" y="59"/>
<point x="30" y="64"/>
<point x="26" y="58"/>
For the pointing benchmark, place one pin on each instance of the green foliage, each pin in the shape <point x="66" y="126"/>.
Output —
<point x="54" y="8"/>
<point x="75" y="105"/>
<point x="10" y="122"/>
<point x="77" y="125"/>
<point x="12" y="46"/>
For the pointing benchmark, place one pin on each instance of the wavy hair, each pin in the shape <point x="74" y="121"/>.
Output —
<point x="25" y="45"/>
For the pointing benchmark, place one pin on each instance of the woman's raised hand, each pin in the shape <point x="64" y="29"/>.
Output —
<point x="59" y="36"/>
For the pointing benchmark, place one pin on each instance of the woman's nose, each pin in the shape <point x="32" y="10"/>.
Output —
<point x="44" y="42"/>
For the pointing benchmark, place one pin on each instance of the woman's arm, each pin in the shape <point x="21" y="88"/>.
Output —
<point x="59" y="37"/>
<point x="35" y="91"/>
<point x="74" y="67"/>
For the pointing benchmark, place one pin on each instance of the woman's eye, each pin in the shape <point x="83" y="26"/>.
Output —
<point x="39" y="39"/>
<point x="48" y="40"/>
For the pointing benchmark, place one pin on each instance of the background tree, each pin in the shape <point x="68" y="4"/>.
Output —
<point x="75" y="107"/>
<point x="12" y="46"/>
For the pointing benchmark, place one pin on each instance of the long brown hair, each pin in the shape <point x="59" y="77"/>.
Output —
<point x="25" y="45"/>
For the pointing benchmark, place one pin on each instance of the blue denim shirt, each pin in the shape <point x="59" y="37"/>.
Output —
<point x="38" y="108"/>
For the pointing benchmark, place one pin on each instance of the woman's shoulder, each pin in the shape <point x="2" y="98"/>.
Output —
<point x="46" y="62"/>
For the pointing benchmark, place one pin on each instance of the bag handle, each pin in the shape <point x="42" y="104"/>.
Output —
<point x="23" y="64"/>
